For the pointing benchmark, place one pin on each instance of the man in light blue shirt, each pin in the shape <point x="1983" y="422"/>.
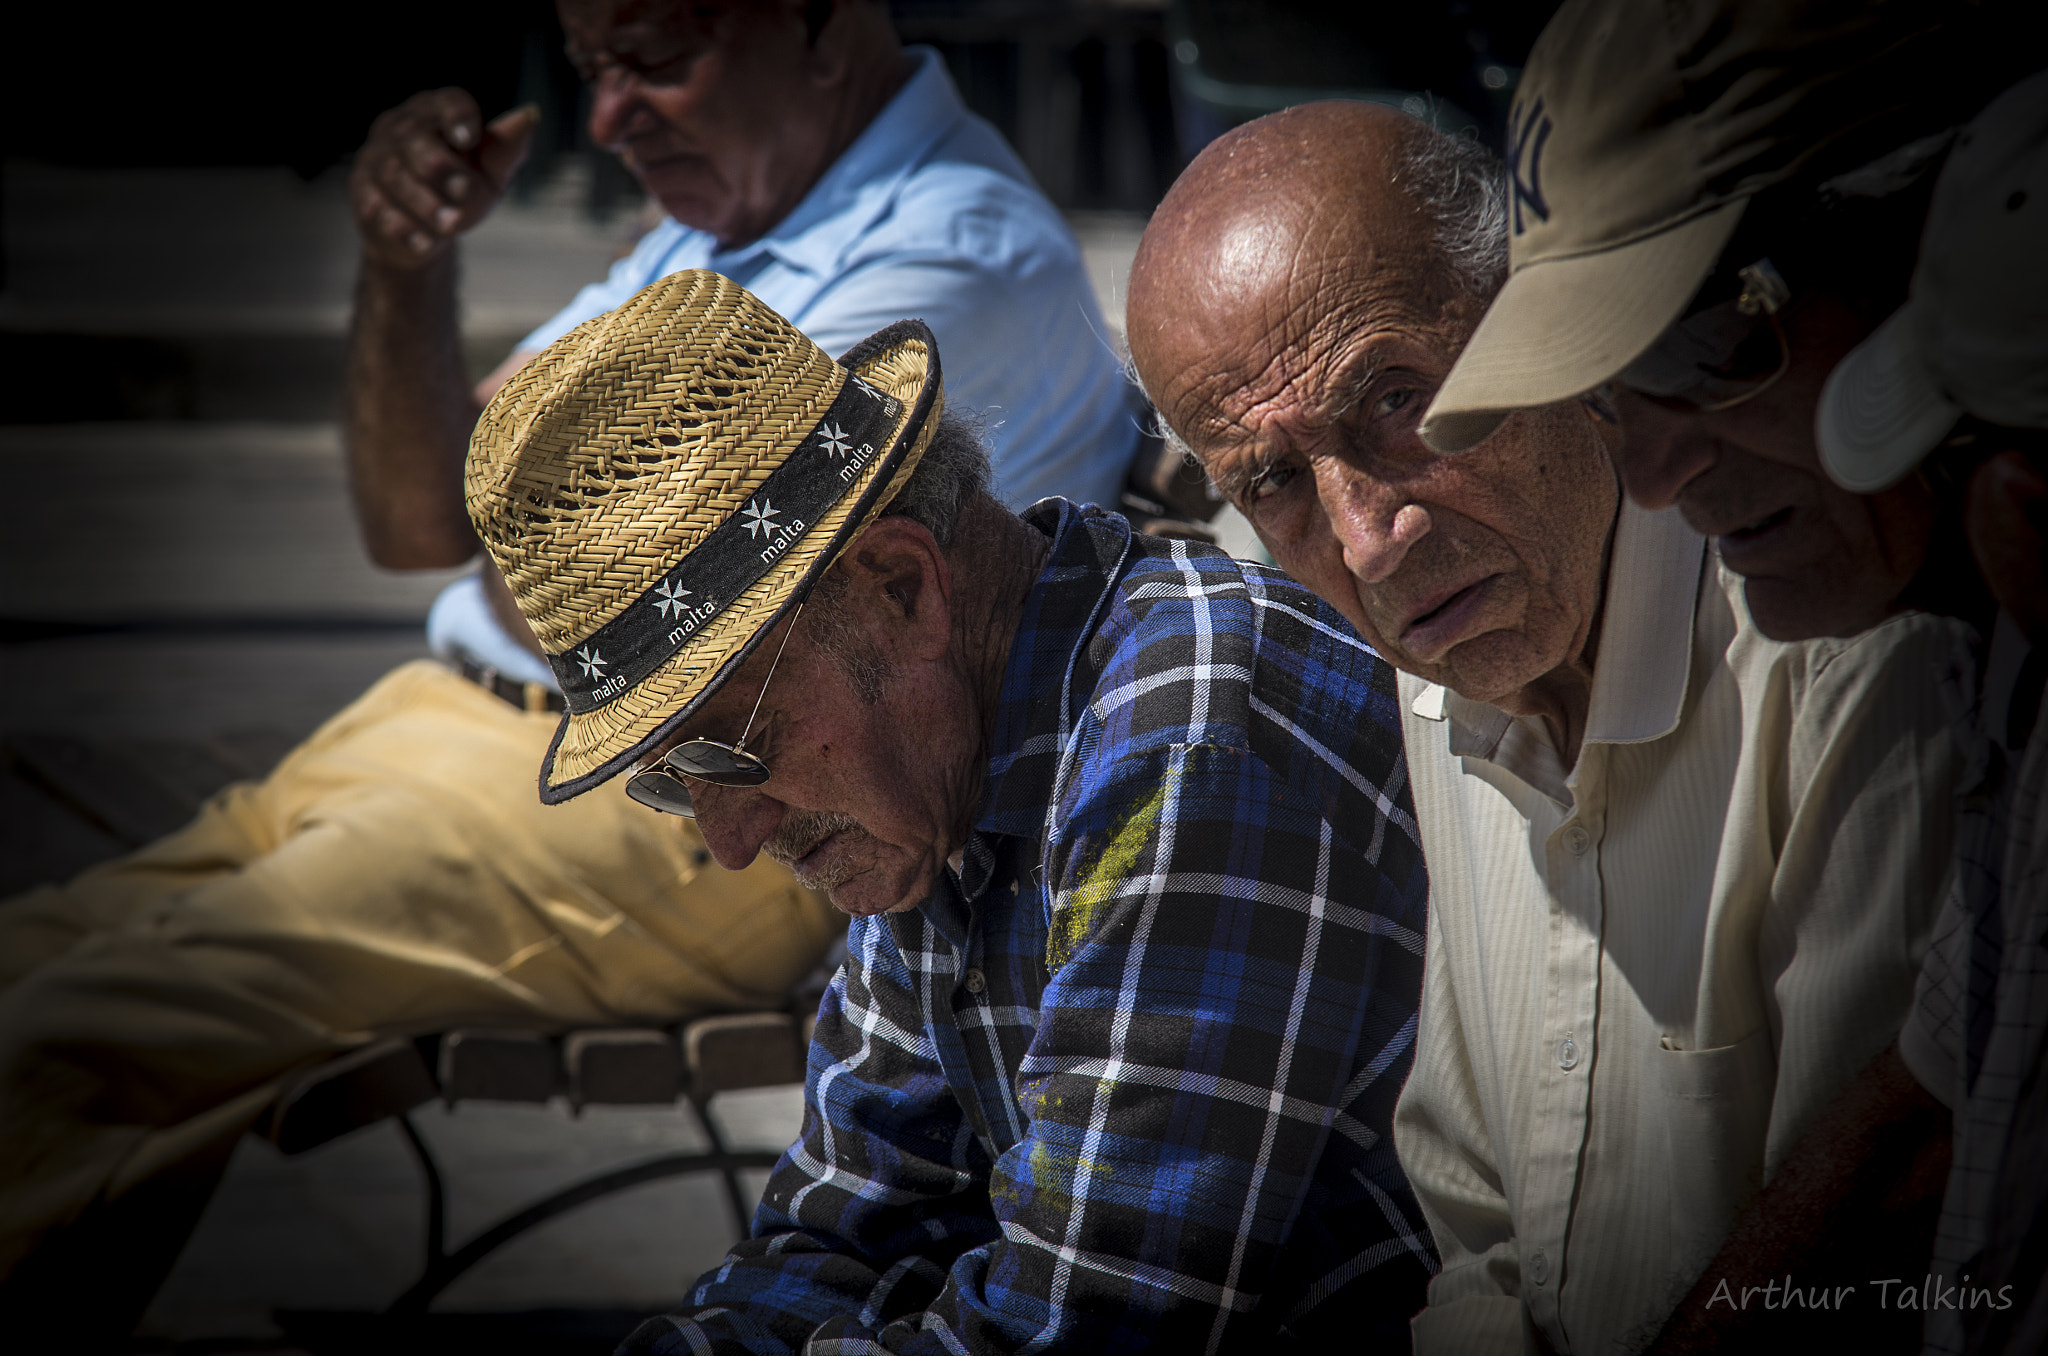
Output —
<point x="930" y="214"/>
<point x="845" y="206"/>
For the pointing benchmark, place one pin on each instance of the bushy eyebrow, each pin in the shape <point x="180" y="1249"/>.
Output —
<point x="1353" y="386"/>
<point x="1235" y="478"/>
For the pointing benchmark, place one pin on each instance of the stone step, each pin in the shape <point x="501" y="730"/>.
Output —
<point x="197" y="522"/>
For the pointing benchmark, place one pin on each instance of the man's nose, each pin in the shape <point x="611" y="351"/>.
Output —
<point x="615" y="108"/>
<point x="735" y="822"/>
<point x="1373" y="521"/>
<point x="1662" y="450"/>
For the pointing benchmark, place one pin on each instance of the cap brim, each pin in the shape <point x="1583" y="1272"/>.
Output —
<point x="595" y="746"/>
<point x="1881" y="410"/>
<point x="1560" y="327"/>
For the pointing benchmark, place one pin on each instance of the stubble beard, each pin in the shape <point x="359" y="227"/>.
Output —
<point x="800" y="832"/>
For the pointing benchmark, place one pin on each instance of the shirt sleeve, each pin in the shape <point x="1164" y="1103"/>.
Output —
<point x="1475" y="1300"/>
<point x="1866" y="851"/>
<point x="652" y="258"/>
<point x="1932" y="1042"/>
<point x="1210" y="1087"/>
<point x="1024" y="351"/>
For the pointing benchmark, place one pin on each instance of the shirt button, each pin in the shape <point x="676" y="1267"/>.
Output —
<point x="976" y="981"/>
<point x="1577" y="840"/>
<point x="1567" y="1054"/>
<point x="1539" y="1267"/>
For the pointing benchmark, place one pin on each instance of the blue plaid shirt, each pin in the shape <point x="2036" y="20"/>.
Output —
<point x="1126" y="1080"/>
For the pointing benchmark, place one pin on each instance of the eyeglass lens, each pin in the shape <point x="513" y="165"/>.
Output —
<point x="661" y="791"/>
<point x="720" y="764"/>
<point x="1712" y="359"/>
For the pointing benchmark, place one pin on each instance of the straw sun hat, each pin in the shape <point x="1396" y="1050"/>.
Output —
<point x="666" y="481"/>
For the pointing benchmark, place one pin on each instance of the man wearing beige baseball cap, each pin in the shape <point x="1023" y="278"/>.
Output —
<point x="1711" y="202"/>
<point x="1123" y="822"/>
<point x="1954" y="386"/>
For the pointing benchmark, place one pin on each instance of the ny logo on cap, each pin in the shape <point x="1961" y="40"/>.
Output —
<point x="1528" y="132"/>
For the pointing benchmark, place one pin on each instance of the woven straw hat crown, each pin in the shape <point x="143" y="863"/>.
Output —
<point x="640" y="447"/>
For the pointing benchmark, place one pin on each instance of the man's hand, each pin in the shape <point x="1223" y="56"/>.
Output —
<point x="432" y="169"/>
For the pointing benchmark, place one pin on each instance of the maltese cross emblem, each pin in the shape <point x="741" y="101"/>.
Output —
<point x="672" y="595"/>
<point x="593" y="663"/>
<point x="834" y="439"/>
<point x="755" y="517"/>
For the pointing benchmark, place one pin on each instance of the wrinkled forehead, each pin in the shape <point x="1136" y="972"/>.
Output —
<point x="592" y="26"/>
<point x="1263" y="304"/>
<point x="1306" y="348"/>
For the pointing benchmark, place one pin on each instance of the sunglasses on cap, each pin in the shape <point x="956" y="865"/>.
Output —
<point x="1720" y="353"/>
<point x="711" y="761"/>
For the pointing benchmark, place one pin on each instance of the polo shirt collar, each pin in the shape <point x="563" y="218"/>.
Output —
<point x="1645" y="656"/>
<point x="861" y="184"/>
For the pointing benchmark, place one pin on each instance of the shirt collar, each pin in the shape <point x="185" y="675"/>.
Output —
<point x="1044" y="679"/>
<point x="1645" y="656"/>
<point x="862" y="182"/>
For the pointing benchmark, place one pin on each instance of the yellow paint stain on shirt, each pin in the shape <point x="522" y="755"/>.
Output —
<point x="1053" y="1174"/>
<point x="1073" y="918"/>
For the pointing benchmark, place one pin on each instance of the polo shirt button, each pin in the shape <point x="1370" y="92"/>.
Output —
<point x="976" y="981"/>
<point x="1539" y="1267"/>
<point x="1577" y="840"/>
<point x="1567" y="1054"/>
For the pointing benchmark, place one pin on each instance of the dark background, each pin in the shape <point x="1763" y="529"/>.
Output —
<point x="1086" y="89"/>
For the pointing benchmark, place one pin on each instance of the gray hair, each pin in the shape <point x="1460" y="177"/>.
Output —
<point x="952" y="474"/>
<point x="1462" y="185"/>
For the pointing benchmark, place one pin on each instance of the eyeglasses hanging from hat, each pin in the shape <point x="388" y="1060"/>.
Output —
<point x="709" y="760"/>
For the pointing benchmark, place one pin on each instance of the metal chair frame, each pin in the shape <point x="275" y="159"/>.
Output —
<point x="394" y="1077"/>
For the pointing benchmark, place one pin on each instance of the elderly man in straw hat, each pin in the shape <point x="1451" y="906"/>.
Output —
<point x="1669" y="912"/>
<point x="1122" y="822"/>
<point x="391" y="875"/>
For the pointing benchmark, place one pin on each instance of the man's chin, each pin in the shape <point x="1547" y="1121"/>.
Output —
<point x="858" y="905"/>
<point x="1799" y="609"/>
<point x="872" y="892"/>
<point x="688" y="190"/>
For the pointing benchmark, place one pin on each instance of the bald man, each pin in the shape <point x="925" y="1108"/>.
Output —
<point x="1668" y="915"/>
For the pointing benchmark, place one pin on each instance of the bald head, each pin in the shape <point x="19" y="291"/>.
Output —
<point x="1311" y="199"/>
<point x="1294" y="304"/>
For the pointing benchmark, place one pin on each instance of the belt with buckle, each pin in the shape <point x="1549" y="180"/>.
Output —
<point x="526" y="696"/>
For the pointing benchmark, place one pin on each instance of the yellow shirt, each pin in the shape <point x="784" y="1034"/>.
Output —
<point x="1647" y="972"/>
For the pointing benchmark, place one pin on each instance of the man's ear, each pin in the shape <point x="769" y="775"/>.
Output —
<point x="905" y="586"/>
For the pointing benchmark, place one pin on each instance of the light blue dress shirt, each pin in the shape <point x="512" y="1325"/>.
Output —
<point x="928" y="214"/>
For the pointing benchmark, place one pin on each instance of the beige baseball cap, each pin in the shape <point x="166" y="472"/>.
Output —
<point x="1639" y="133"/>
